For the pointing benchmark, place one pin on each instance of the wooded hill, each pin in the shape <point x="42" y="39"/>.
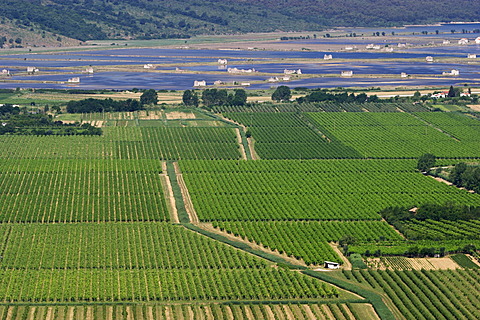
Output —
<point x="145" y="19"/>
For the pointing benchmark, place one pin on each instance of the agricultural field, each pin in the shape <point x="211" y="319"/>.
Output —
<point x="128" y="143"/>
<point x="421" y="294"/>
<point x="402" y="135"/>
<point x="324" y="135"/>
<point x="323" y="107"/>
<point x="290" y="135"/>
<point x="308" y="240"/>
<point x="41" y="190"/>
<point x="136" y="262"/>
<point x="357" y="311"/>
<point x="280" y="190"/>
<point x="167" y="216"/>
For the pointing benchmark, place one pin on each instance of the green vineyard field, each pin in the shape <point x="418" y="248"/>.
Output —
<point x="136" y="262"/>
<point x="310" y="189"/>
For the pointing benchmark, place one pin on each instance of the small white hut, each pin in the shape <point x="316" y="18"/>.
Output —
<point x="201" y="83"/>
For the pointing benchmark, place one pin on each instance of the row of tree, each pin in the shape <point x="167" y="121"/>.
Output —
<point x="215" y="97"/>
<point x="450" y="211"/>
<point x="90" y="105"/>
<point x="324" y="95"/>
<point x="41" y="124"/>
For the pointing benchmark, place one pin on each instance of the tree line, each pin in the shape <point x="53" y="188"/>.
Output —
<point x="12" y="122"/>
<point x="215" y="97"/>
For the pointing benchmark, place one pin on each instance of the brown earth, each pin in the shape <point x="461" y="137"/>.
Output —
<point x="180" y="115"/>
<point x="186" y="195"/>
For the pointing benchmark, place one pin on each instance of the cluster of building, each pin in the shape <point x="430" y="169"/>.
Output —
<point x="298" y="71"/>
<point x="236" y="70"/>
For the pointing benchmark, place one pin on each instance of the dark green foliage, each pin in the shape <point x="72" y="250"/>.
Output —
<point x="324" y="95"/>
<point x="451" y="212"/>
<point x="221" y="97"/>
<point x="470" y="178"/>
<point x="282" y="93"/>
<point x="457" y="172"/>
<point x="147" y="19"/>
<point x="149" y="97"/>
<point x="425" y="162"/>
<point x="357" y="261"/>
<point x="239" y="98"/>
<point x="96" y="105"/>
<point x="40" y="124"/>
<point x="451" y="92"/>
<point x="190" y="98"/>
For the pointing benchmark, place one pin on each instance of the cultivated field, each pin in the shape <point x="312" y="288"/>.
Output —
<point x="166" y="216"/>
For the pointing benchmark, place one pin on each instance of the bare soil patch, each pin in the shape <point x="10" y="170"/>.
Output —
<point x="403" y="263"/>
<point x="186" y="196"/>
<point x="239" y="141"/>
<point x="251" y="146"/>
<point x="474" y="107"/>
<point x="180" y="115"/>
<point x="168" y="191"/>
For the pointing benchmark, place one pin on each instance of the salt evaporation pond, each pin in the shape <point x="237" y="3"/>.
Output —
<point x="181" y="81"/>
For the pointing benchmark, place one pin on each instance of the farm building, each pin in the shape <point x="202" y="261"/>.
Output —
<point x="148" y="66"/>
<point x="429" y="59"/>
<point x="89" y="70"/>
<point x="463" y="41"/>
<point x="222" y="61"/>
<point x="201" y="83"/>
<point x="446" y="42"/>
<point x="286" y="71"/>
<point x="332" y="265"/>
<point x="472" y="56"/>
<point x="453" y="72"/>
<point x="348" y="73"/>
<point x="32" y="69"/>
<point x="327" y="57"/>
<point x="373" y="46"/>
<point x="403" y="75"/>
<point x="236" y="70"/>
<point x="477" y="41"/>
<point x="74" y="80"/>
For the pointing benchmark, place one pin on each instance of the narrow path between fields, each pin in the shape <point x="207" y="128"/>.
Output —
<point x="167" y="189"/>
<point x="185" y="195"/>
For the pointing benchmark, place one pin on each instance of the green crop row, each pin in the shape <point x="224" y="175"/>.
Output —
<point x="308" y="240"/>
<point x="309" y="190"/>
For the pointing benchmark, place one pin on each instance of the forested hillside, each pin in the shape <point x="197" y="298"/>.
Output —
<point x="145" y="19"/>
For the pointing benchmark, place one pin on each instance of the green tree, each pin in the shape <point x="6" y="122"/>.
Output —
<point x="149" y="97"/>
<point x="190" y="98"/>
<point x="239" y="98"/>
<point x="425" y="162"/>
<point x="282" y="93"/>
<point x="451" y="92"/>
<point x="417" y="95"/>
<point x="456" y="174"/>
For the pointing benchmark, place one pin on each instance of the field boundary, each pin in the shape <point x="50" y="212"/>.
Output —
<point x="187" y="200"/>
